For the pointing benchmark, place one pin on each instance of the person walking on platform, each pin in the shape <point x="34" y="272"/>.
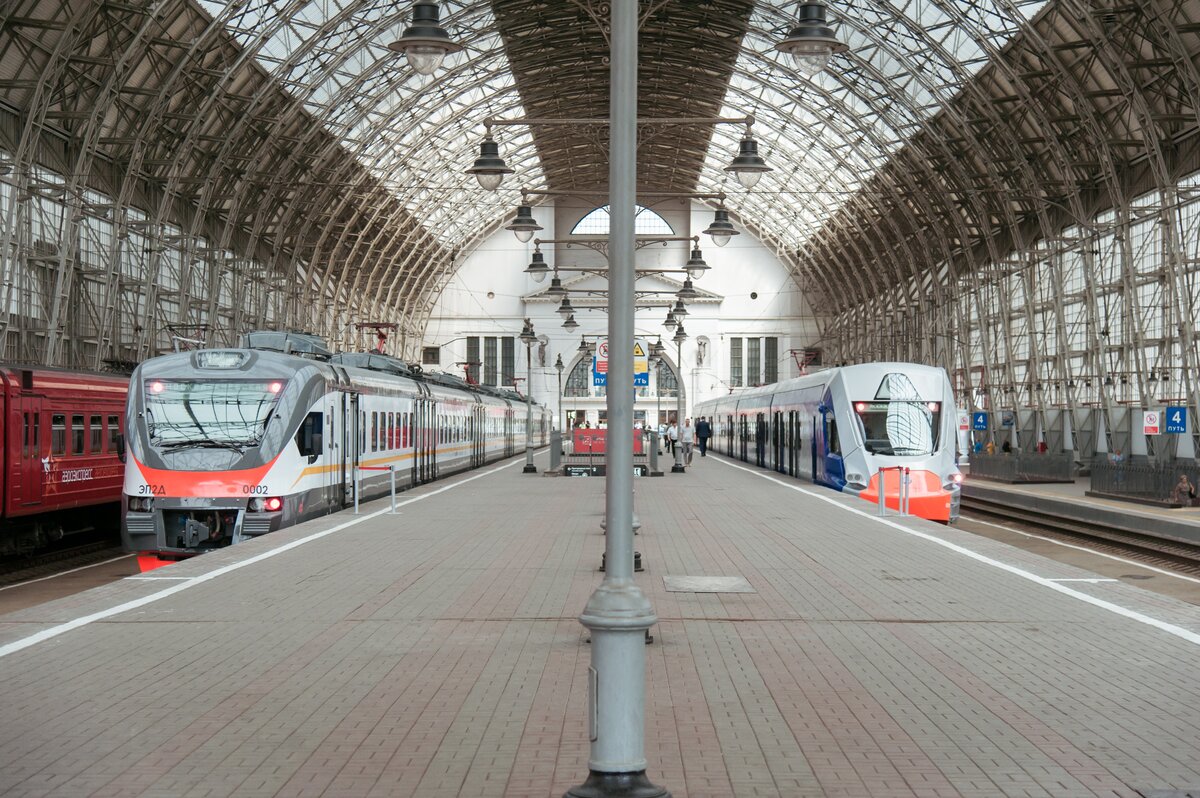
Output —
<point x="1184" y="491"/>
<point x="673" y="436"/>
<point x="687" y="436"/>
<point x="703" y="433"/>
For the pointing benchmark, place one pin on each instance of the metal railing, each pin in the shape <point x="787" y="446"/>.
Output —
<point x="1156" y="483"/>
<point x="358" y="482"/>
<point x="1024" y="466"/>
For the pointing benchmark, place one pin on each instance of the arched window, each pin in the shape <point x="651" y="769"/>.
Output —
<point x="667" y="384"/>
<point x="645" y="222"/>
<point x="579" y="382"/>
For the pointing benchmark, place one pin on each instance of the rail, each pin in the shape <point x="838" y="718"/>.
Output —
<point x="358" y="482"/>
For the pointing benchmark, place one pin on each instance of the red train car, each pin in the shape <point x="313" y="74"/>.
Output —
<point x="61" y="434"/>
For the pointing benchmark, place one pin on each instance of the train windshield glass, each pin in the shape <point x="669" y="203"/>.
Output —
<point x="209" y="413"/>
<point x="898" y="422"/>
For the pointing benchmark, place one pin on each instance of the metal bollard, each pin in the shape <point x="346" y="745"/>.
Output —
<point x="555" y="450"/>
<point x="882" y="492"/>
<point x="392" y="472"/>
<point x="904" y="491"/>
<point x="357" y="485"/>
<point x="654" y="450"/>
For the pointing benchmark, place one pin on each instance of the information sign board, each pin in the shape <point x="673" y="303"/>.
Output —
<point x="1151" y="423"/>
<point x="980" y="421"/>
<point x="1176" y="419"/>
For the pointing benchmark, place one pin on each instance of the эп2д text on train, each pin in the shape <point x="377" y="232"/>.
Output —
<point x="61" y="437"/>
<point x="226" y="444"/>
<point x="842" y="427"/>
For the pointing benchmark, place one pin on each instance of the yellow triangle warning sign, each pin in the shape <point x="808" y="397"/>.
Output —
<point x="637" y="350"/>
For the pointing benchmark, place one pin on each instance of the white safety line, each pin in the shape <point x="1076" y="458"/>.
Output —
<point x="1077" y="547"/>
<point x="64" y="573"/>
<point x="1094" y="581"/>
<point x="63" y="628"/>
<point x="1169" y="628"/>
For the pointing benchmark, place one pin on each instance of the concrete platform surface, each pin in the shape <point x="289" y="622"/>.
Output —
<point x="437" y="653"/>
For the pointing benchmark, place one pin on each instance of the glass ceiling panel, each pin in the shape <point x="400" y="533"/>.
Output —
<point x="412" y="134"/>
<point x="827" y="136"/>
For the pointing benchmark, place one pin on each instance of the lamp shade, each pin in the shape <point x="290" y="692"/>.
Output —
<point x="527" y="336"/>
<point x="558" y="364"/>
<point x="556" y="287"/>
<point x="570" y="324"/>
<point x="669" y="321"/>
<point x="811" y="42"/>
<point x="489" y="168"/>
<point x="680" y="335"/>
<point x="679" y="310"/>
<point x="425" y="43"/>
<point x="748" y="166"/>
<point x="696" y="267"/>
<point x="566" y="309"/>
<point x="537" y="268"/>
<point x="523" y="224"/>
<point x="721" y="228"/>
<point x="687" y="292"/>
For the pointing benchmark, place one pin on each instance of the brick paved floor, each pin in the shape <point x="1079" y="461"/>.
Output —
<point x="436" y="653"/>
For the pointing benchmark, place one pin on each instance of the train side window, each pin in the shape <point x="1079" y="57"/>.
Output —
<point x="404" y="430"/>
<point x="374" y="431"/>
<point x="362" y="432"/>
<point x="77" y="434"/>
<point x="96" y="430"/>
<point x="58" y="434"/>
<point x="835" y="446"/>
<point x="114" y="433"/>
<point x="392" y="442"/>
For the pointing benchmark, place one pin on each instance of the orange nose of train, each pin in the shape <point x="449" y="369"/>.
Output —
<point x="926" y="496"/>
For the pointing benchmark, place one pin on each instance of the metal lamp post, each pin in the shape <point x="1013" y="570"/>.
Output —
<point x="618" y="614"/>
<point x="527" y="337"/>
<point x="558" y="366"/>
<point x="680" y="337"/>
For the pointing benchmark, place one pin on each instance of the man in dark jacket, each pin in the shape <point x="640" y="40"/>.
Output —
<point x="703" y="432"/>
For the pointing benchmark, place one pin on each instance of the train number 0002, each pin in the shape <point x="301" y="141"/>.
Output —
<point x="254" y="490"/>
<point x="152" y="490"/>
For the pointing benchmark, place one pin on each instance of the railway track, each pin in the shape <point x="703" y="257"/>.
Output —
<point x="20" y="569"/>
<point x="1151" y="549"/>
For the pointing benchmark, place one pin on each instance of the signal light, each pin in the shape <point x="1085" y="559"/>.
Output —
<point x="273" y="504"/>
<point x="958" y="478"/>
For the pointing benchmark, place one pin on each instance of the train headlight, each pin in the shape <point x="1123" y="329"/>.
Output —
<point x="140" y="504"/>
<point x="270" y="505"/>
<point x="955" y="481"/>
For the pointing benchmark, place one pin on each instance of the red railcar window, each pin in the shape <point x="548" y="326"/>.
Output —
<point x="96" y="430"/>
<point x="58" y="434"/>
<point x="77" y="433"/>
<point x="26" y="437"/>
<point x="114" y="432"/>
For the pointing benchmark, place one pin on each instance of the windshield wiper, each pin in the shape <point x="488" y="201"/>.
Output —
<point x="207" y="443"/>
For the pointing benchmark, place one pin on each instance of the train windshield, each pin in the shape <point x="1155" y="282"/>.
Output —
<point x="898" y="422"/>
<point x="231" y="414"/>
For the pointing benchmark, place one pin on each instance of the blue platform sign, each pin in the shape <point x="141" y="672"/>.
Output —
<point x="599" y="378"/>
<point x="979" y="422"/>
<point x="1176" y="419"/>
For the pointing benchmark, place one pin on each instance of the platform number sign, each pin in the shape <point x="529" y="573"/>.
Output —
<point x="979" y="421"/>
<point x="1176" y="420"/>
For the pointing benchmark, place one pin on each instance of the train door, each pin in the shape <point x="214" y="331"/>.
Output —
<point x="343" y="446"/>
<point x="478" y="434"/>
<point x="760" y="440"/>
<point x="509" y="446"/>
<point x="828" y="462"/>
<point x="777" y="432"/>
<point x="425" y="448"/>
<point x="817" y="446"/>
<point x="793" y="441"/>
<point x="25" y="481"/>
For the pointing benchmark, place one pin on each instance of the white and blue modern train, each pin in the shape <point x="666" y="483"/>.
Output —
<point x="226" y="444"/>
<point x="842" y="427"/>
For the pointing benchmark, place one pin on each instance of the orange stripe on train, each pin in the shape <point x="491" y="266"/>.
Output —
<point x="210" y="484"/>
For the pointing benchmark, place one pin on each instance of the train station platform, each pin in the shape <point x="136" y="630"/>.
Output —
<point x="1069" y="500"/>
<point x="436" y="652"/>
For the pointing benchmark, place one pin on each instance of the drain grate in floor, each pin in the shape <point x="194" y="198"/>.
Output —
<point x="707" y="584"/>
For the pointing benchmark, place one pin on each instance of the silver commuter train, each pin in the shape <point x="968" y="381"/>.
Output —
<point x="840" y="426"/>
<point x="226" y="444"/>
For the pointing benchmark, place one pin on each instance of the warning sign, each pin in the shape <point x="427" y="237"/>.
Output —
<point x="641" y="363"/>
<point x="1151" y="422"/>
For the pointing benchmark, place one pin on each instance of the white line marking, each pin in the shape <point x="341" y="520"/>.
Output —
<point x="1089" y="581"/>
<point x="1077" y="547"/>
<point x="55" y="631"/>
<point x="155" y="578"/>
<point x="64" y="573"/>
<point x="1169" y="628"/>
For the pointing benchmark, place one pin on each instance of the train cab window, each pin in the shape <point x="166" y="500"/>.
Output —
<point x="114" y="433"/>
<point x="310" y="438"/>
<point x="96" y="435"/>
<point x="835" y="445"/>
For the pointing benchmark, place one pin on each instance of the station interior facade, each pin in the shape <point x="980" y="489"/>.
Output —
<point x="1007" y="189"/>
